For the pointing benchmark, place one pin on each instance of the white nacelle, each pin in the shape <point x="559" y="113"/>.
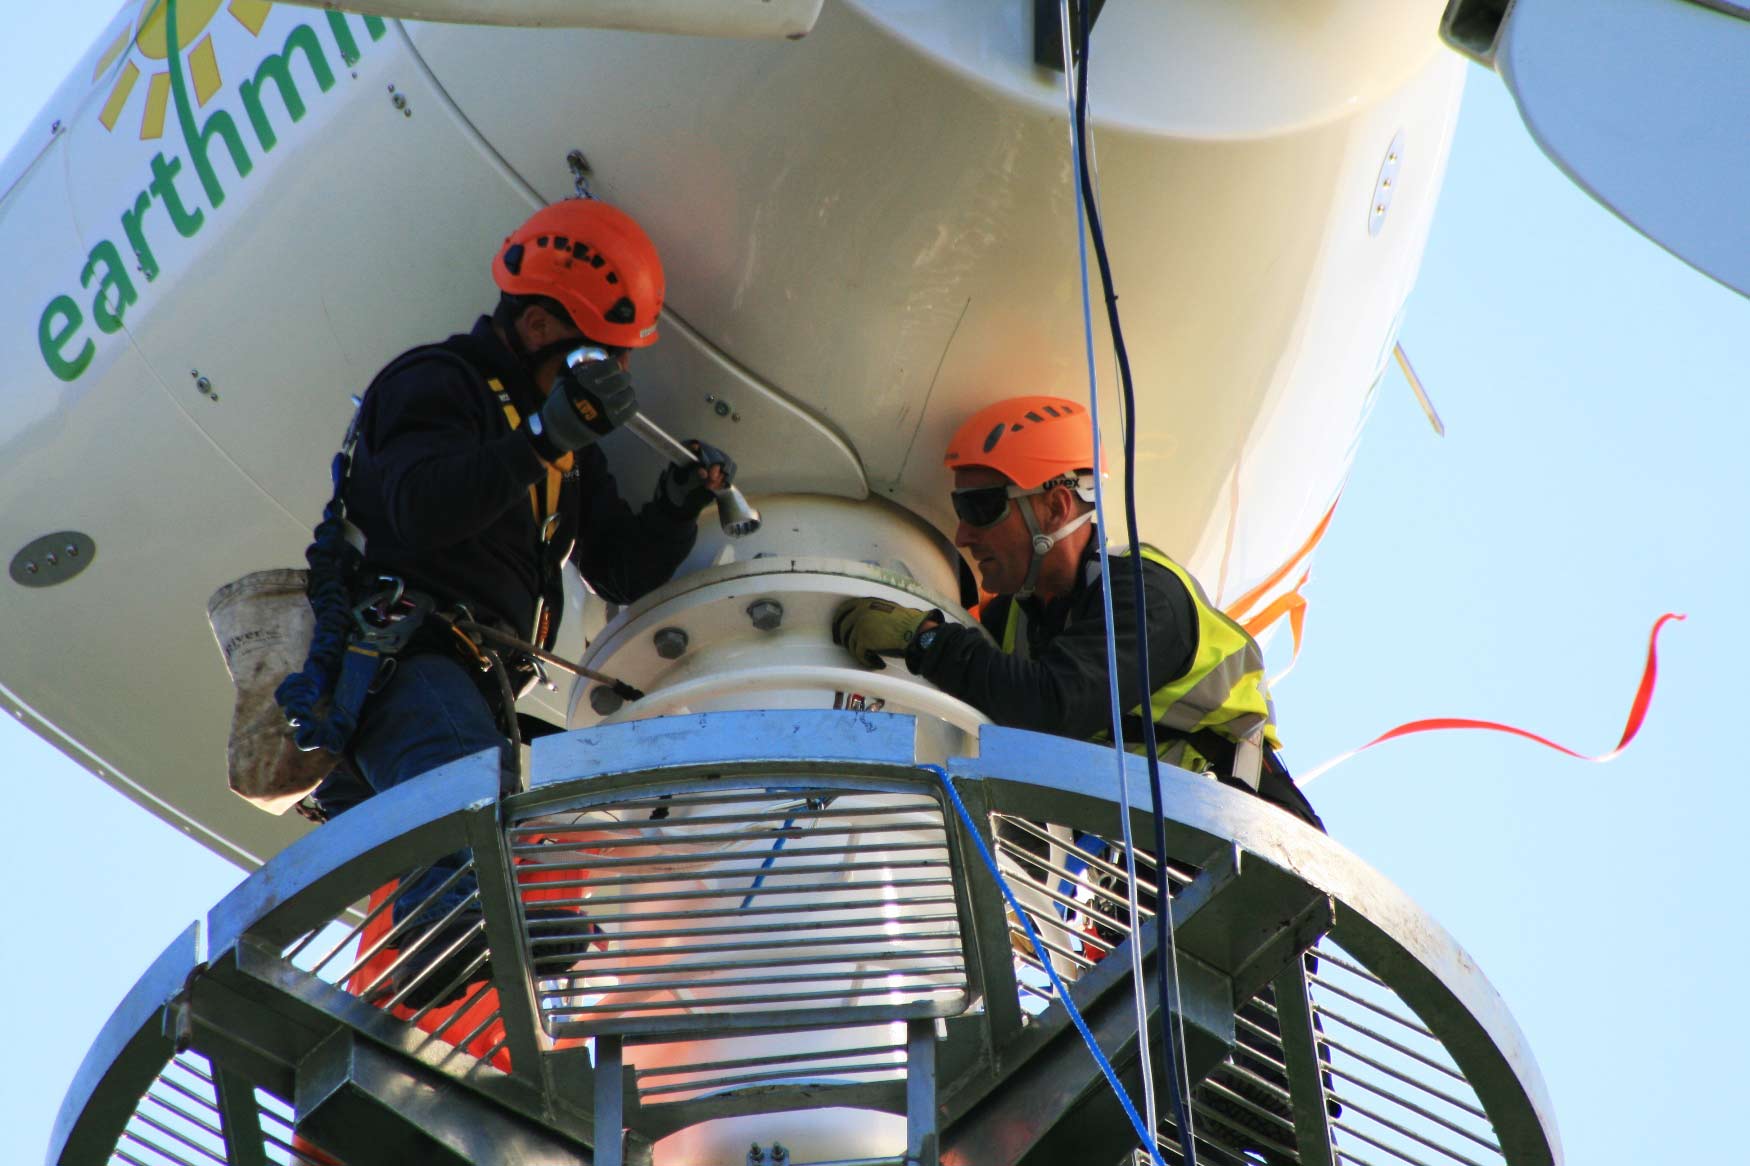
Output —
<point x="724" y="18"/>
<point x="868" y="234"/>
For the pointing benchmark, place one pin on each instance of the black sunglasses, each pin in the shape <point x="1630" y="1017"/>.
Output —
<point x="985" y="505"/>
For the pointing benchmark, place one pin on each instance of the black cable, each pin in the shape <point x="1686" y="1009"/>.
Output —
<point x="1164" y="964"/>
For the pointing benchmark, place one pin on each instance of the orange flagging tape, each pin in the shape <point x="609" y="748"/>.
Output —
<point x="1290" y="603"/>
<point x="1238" y="609"/>
<point x="1637" y="713"/>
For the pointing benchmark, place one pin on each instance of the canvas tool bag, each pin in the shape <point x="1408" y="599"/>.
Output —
<point x="263" y="624"/>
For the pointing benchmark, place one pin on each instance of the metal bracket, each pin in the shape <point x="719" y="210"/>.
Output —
<point x="1048" y="29"/>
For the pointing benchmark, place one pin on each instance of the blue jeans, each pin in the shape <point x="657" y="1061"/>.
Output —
<point x="428" y="714"/>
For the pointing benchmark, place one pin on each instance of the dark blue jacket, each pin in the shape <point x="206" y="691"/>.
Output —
<point x="440" y="487"/>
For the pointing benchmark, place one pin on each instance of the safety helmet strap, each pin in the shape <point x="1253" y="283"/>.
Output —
<point x="1042" y="542"/>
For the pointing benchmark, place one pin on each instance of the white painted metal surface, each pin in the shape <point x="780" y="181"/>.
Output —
<point x="1641" y="103"/>
<point x="869" y="233"/>
<point x="727" y="18"/>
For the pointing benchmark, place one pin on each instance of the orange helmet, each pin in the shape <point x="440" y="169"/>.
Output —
<point x="593" y="259"/>
<point x="1030" y="440"/>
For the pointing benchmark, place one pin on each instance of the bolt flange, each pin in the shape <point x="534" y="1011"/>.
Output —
<point x="671" y="643"/>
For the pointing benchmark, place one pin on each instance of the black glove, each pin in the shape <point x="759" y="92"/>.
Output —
<point x="586" y="402"/>
<point x="687" y="488"/>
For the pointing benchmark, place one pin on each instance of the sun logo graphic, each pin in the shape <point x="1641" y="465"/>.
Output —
<point x="148" y="35"/>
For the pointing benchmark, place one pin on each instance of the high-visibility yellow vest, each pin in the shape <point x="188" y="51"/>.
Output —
<point x="1224" y="690"/>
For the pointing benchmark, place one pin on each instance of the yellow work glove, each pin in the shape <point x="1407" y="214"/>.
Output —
<point x="873" y="628"/>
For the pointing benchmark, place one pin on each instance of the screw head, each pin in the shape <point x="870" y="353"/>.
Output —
<point x="721" y="408"/>
<point x="604" y="700"/>
<point x="767" y="614"/>
<point x="671" y="643"/>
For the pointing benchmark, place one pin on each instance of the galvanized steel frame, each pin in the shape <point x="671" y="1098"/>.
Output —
<point x="1268" y="887"/>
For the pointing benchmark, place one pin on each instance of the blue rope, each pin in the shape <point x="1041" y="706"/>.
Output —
<point x="333" y="561"/>
<point x="990" y="863"/>
<point x="767" y="864"/>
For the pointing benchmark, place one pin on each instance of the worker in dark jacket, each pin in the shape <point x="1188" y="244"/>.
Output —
<point x="475" y="477"/>
<point x="1023" y="476"/>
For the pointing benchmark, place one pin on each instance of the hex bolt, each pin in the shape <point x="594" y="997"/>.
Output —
<point x="53" y="561"/>
<point x="604" y="700"/>
<point x="766" y="614"/>
<point x="30" y="567"/>
<point x="72" y="551"/>
<point x="671" y="643"/>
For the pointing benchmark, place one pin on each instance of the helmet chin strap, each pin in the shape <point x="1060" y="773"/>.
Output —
<point x="1042" y="544"/>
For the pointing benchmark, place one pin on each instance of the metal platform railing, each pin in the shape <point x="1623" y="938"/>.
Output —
<point x="672" y="893"/>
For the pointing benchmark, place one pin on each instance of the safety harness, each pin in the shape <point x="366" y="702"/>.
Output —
<point x="357" y="641"/>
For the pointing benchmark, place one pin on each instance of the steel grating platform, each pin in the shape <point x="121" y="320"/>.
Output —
<point x="670" y="893"/>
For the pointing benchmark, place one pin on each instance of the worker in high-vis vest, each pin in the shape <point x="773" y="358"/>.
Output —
<point x="1023" y="492"/>
<point x="475" y="476"/>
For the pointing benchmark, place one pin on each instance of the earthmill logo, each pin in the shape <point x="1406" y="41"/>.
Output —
<point x="227" y="107"/>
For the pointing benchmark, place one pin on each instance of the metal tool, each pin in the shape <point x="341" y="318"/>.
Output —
<point x="734" y="513"/>
<point x="474" y="628"/>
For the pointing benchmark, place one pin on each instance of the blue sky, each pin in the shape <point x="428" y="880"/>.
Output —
<point x="1592" y="477"/>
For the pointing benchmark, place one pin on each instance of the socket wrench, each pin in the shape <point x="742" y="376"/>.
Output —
<point x="734" y="513"/>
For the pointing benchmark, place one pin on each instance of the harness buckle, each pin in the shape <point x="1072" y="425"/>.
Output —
<point x="386" y="620"/>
